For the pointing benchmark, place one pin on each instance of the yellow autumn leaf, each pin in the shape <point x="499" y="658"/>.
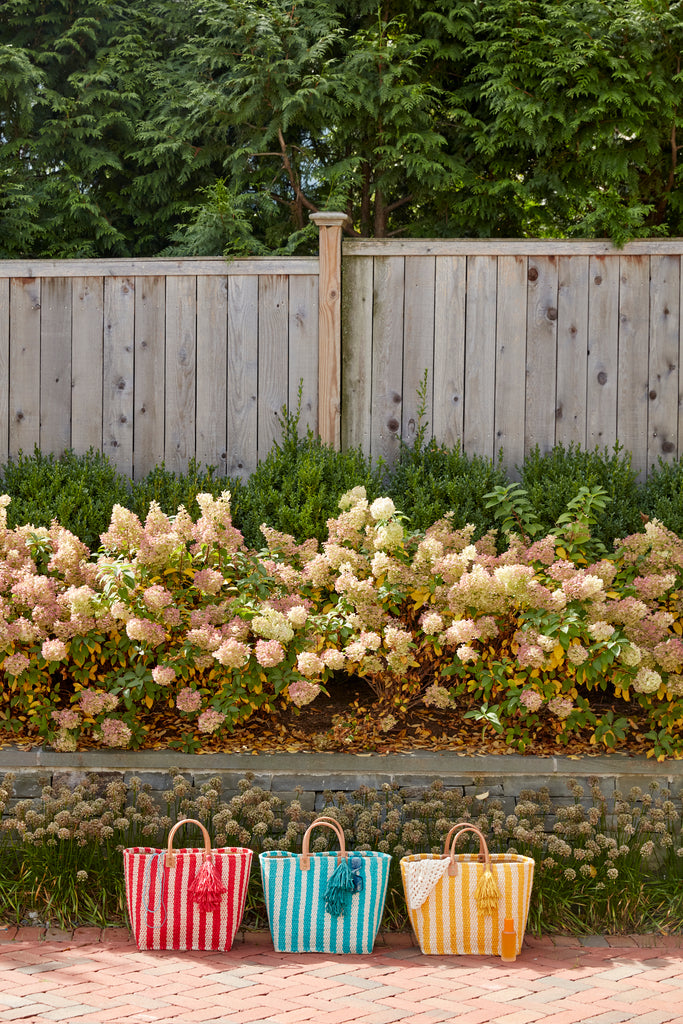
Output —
<point x="149" y="700"/>
<point x="678" y="628"/>
<point x="562" y="552"/>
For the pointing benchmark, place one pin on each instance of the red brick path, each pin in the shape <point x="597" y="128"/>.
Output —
<point x="90" y="977"/>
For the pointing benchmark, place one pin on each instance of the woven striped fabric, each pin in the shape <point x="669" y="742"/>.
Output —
<point x="162" y="915"/>
<point x="299" y="922"/>
<point x="449" y="921"/>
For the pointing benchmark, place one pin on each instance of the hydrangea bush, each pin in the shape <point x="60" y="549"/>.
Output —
<point x="180" y="616"/>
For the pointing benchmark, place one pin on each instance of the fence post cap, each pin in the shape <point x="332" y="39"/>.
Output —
<point x="331" y="219"/>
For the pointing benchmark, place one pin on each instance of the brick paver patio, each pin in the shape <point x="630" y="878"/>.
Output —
<point x="94" y="977"/>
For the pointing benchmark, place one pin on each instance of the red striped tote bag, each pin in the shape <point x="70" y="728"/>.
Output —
<point x="190" y="898"/>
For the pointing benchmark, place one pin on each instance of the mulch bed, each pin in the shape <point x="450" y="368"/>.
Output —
<point x="343" y="721"/>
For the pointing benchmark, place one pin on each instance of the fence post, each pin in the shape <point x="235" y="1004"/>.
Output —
<point x="329" y="326"/>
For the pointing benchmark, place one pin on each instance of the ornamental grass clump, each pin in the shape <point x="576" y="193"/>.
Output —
<point x="61" y="854"/>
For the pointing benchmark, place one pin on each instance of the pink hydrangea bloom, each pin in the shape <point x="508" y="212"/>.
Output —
<point x="530" y="699"/>
<point x="309" y="664"/>
<point x="53" y="650"/>
<point x="269" y="653"/>
<point x="157" y="598"/>
<point x="188" y="700"/>
<point x="232" y="653"/>
<point x="301" y="692"/>
<point x="209" y="581"/>
<point x="15" y="664"/>
<point x="333" y="659"/>
<point x="163" y="675"/>
<point x="68" y="718"/>
<point x="94" y="702"/>
<point x="561" y="707"/>
<point x="576" y="654"/>
<point x="437" y="696"/>
<point x="146" y="632"/>
<point x="210" y="720"/>
<point x="115" y="733"/>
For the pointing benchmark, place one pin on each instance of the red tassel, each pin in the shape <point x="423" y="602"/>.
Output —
<point x="206" y="888"/>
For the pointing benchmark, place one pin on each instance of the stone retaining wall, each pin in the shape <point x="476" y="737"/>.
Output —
<point x="501" y="776"/>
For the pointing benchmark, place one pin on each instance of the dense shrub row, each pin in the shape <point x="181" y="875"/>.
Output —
<point x="601" y="866"/>
<point x="296" y="489"/>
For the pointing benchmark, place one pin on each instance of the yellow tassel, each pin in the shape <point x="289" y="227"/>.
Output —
<point x="486" y="894"/>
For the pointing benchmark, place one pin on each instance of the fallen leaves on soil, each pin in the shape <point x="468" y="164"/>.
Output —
<point x="344" y="720"/>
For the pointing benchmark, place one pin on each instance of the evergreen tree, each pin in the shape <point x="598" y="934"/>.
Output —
<point x="210" y="126"/>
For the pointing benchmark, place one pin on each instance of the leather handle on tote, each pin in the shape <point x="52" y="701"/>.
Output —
<point x="305" y="860"/>
<point x="170" y="858"/>
<point x="449" y="846"/>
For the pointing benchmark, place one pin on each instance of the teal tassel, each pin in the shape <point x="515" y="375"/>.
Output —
<point x="339" y="889"/>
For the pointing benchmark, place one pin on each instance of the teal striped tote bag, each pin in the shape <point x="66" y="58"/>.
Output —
<point x="324" y="902"/>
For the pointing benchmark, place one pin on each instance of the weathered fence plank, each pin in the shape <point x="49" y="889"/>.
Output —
<point x="603" y="352"/>
<point x="449" y="349"/>
<point x="664" y="358"/>
<point x="632" y="382"/>
<point x="418" y="342"/>
<point x="357" y="310"/>
<point x="87" y="312"/>
<point x="242" y="400"/>
<point x="572" y="348"/>
<point x="55" y="365"/>
<point x="273" y="362"/>
<point x="510" y="359"/>
<point x="181" y="371"/>
<point x="541" y="354"/>
<point x="480" y="355"/>
<point x="212" y="371"/>
<point x="118" y="371"/>
<point x="150" y="373"/>
<point x="303" y="354"/>
<point x="24" y="361"/>
<point x="387" y="358"/>
<point x="4" y="367"/>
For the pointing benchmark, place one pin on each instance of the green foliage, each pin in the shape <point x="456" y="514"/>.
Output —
<point x="84" y="169"/>
<point x="512" y="508"/>
<point x="663" y="495"/>
<point x="553" y="479"/>
<point x="297" y="487"/>
<point x="429" y="480"/>
<point x="139" y="127"/>
<point x="78" y="491"/>
<point x="517" y="515"/>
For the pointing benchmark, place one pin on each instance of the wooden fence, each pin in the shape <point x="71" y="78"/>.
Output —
<point x="156" y="360"/>
<point x="525" y="342"/>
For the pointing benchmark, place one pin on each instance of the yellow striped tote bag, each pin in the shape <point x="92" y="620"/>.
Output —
<point x="460" y="903"/>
